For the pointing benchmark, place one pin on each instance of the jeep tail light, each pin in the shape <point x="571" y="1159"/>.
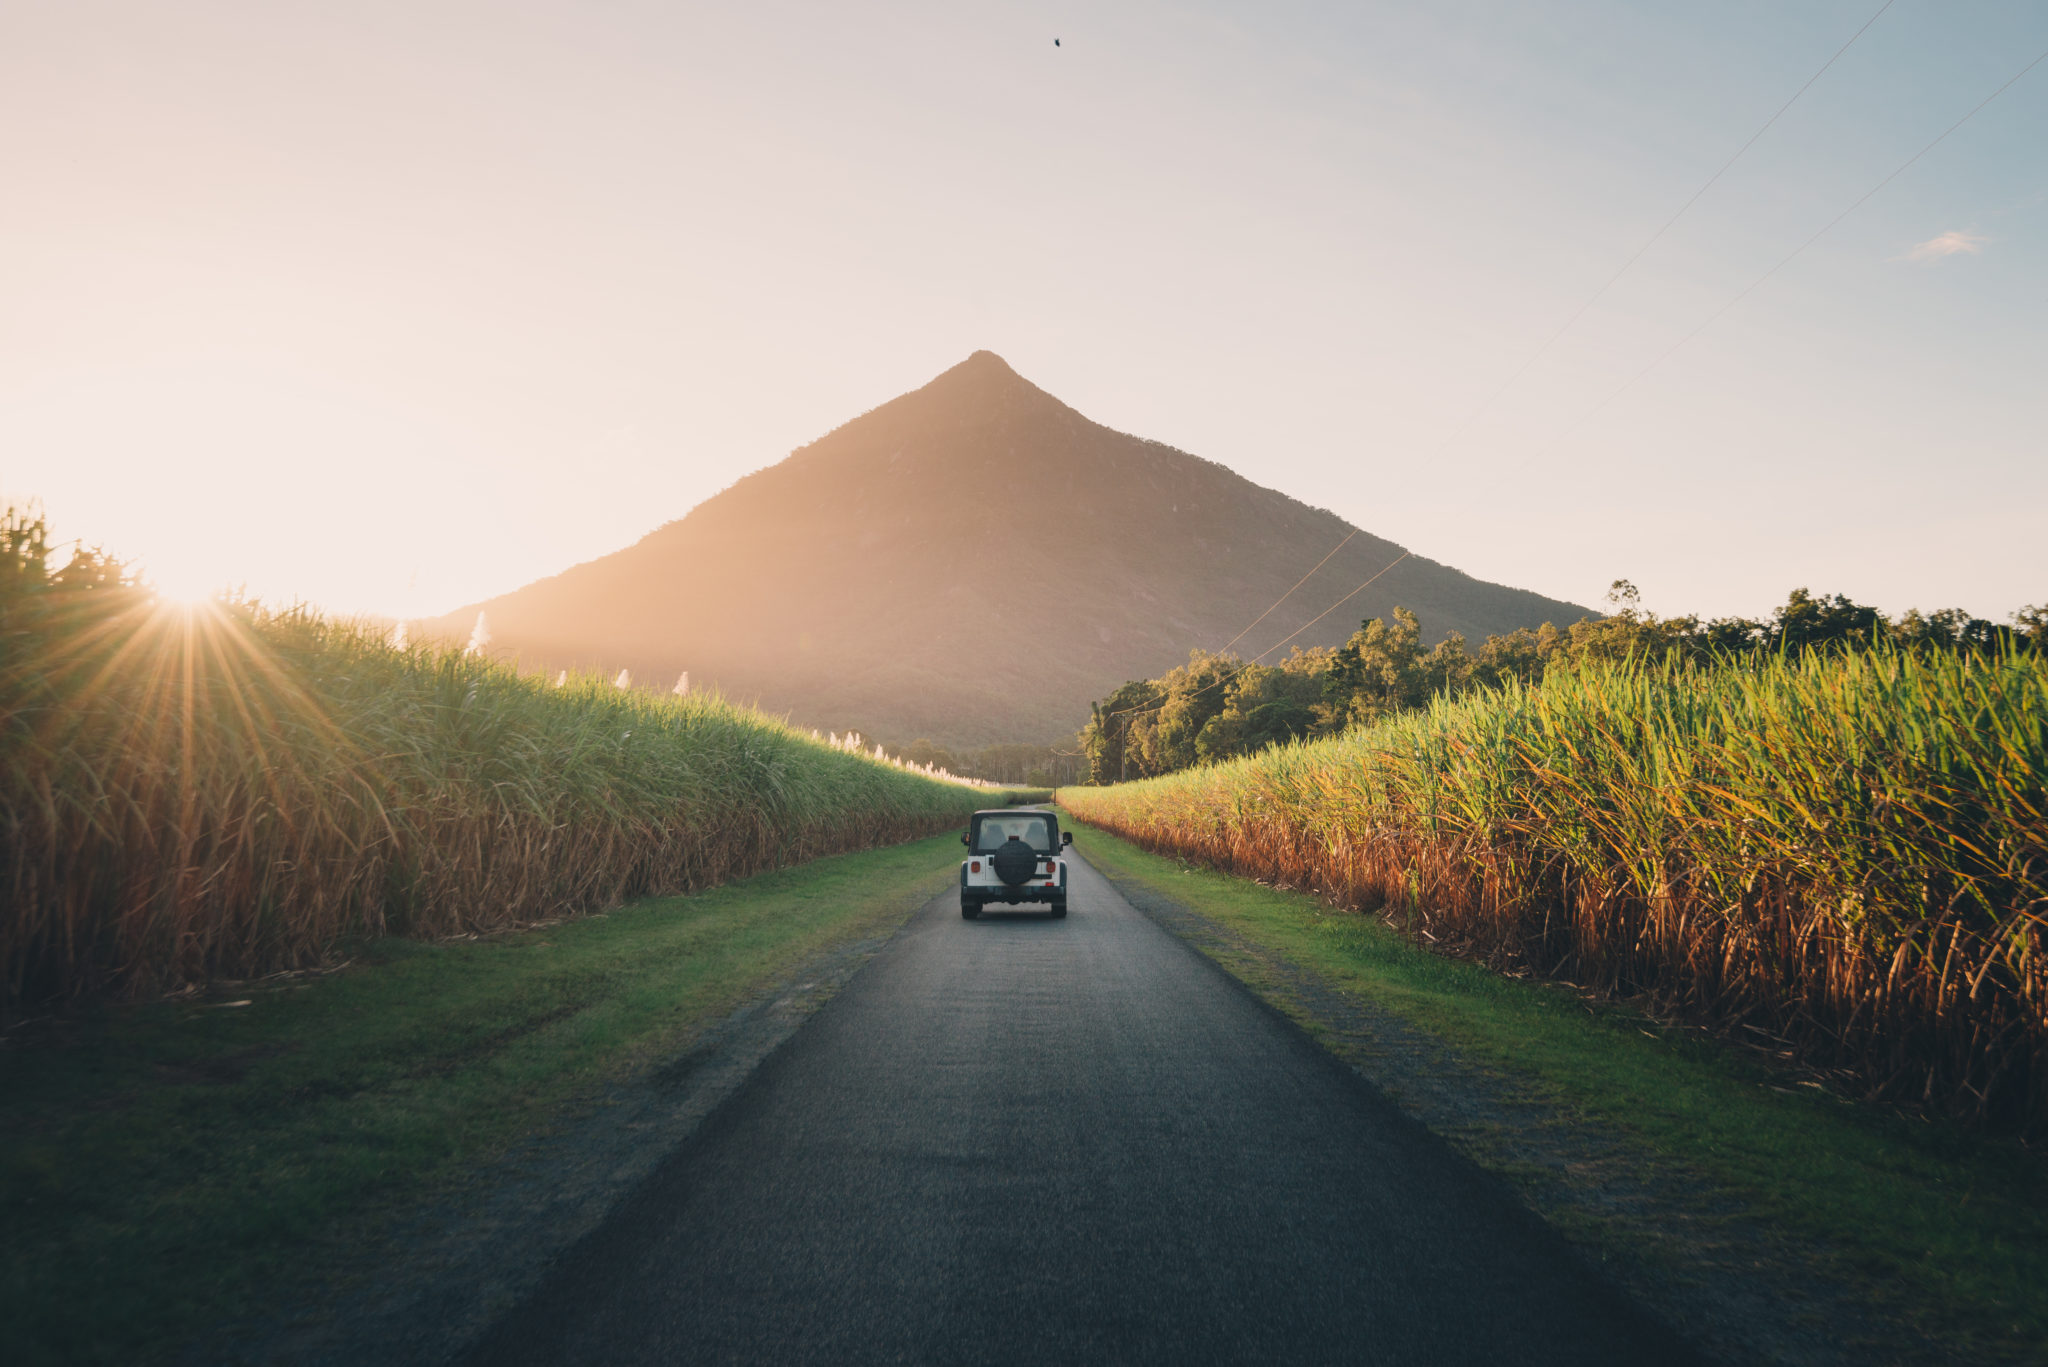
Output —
<point x="974" y="866"/>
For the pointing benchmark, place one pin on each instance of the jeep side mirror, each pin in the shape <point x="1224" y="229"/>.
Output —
<point x="963" y="837"/>
<point x="1066" y="837"/>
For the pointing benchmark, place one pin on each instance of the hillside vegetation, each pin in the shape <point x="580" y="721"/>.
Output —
<point x="1842" y="852"/>
<point x="229" y="790"/>
<point x="969" y="563"/>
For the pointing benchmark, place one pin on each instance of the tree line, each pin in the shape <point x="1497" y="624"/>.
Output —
<point x="1217" y="706"/>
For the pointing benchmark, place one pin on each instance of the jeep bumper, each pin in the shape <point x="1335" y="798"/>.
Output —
<point x="987" y="888"/>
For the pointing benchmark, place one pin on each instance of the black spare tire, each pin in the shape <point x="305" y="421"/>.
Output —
<point x="1014" y="862"/>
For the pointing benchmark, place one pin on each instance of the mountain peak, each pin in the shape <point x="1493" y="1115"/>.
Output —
<point x="974" y="561"/>
<point x="979" y="389"/>
<point x="982" y="367"/>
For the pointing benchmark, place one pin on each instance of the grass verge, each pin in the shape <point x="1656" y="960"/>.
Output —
<point x="1950" y="1229"/>
<point x="156" y="1159"/>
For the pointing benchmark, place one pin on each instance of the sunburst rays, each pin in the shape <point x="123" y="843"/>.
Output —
<point x="218" y="788"/>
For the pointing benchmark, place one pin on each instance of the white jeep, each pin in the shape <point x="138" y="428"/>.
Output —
<point x="1013" y="856"/>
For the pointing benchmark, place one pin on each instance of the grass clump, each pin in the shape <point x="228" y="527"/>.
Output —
<point x="229" y="791"/>
<point x="1847" y="851"/>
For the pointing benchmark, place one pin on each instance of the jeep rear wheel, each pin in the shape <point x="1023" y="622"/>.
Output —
<point x="1059" y="908"/>
<point x="970" y="909"/>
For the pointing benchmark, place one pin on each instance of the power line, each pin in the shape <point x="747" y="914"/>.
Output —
<point x="1657" y="236"/>
<point x="1123" y="749"/>
<point x="1328" y="610"/>
<point x="1289" y="594"/>
<point x="1787" y="260"/>
<point x="1153" y="707"/>
<point x="1277" y="602"/>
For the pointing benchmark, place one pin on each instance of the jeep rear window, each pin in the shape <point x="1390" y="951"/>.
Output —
<point x="1032" y="829"/>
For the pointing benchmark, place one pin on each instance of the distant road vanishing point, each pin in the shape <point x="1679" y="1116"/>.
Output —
<point x="1018" y="1140"/>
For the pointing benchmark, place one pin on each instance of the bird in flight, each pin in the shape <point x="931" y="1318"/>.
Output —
<point x="1055" y="42"/>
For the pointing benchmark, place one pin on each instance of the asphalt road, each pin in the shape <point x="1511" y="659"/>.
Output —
<point x="1033" y="1141"/>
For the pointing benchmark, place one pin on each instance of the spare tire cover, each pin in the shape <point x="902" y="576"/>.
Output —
<point x="1014" y="862"/>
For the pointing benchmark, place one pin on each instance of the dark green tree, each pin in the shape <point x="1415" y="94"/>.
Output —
<point x="1381" y="669"/>
<point x="1806" y="621"/>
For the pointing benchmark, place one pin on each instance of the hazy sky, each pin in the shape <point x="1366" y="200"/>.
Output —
<point x="395" y="305"/>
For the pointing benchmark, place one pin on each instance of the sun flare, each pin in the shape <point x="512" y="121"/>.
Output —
<point x="183" y="586"/>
